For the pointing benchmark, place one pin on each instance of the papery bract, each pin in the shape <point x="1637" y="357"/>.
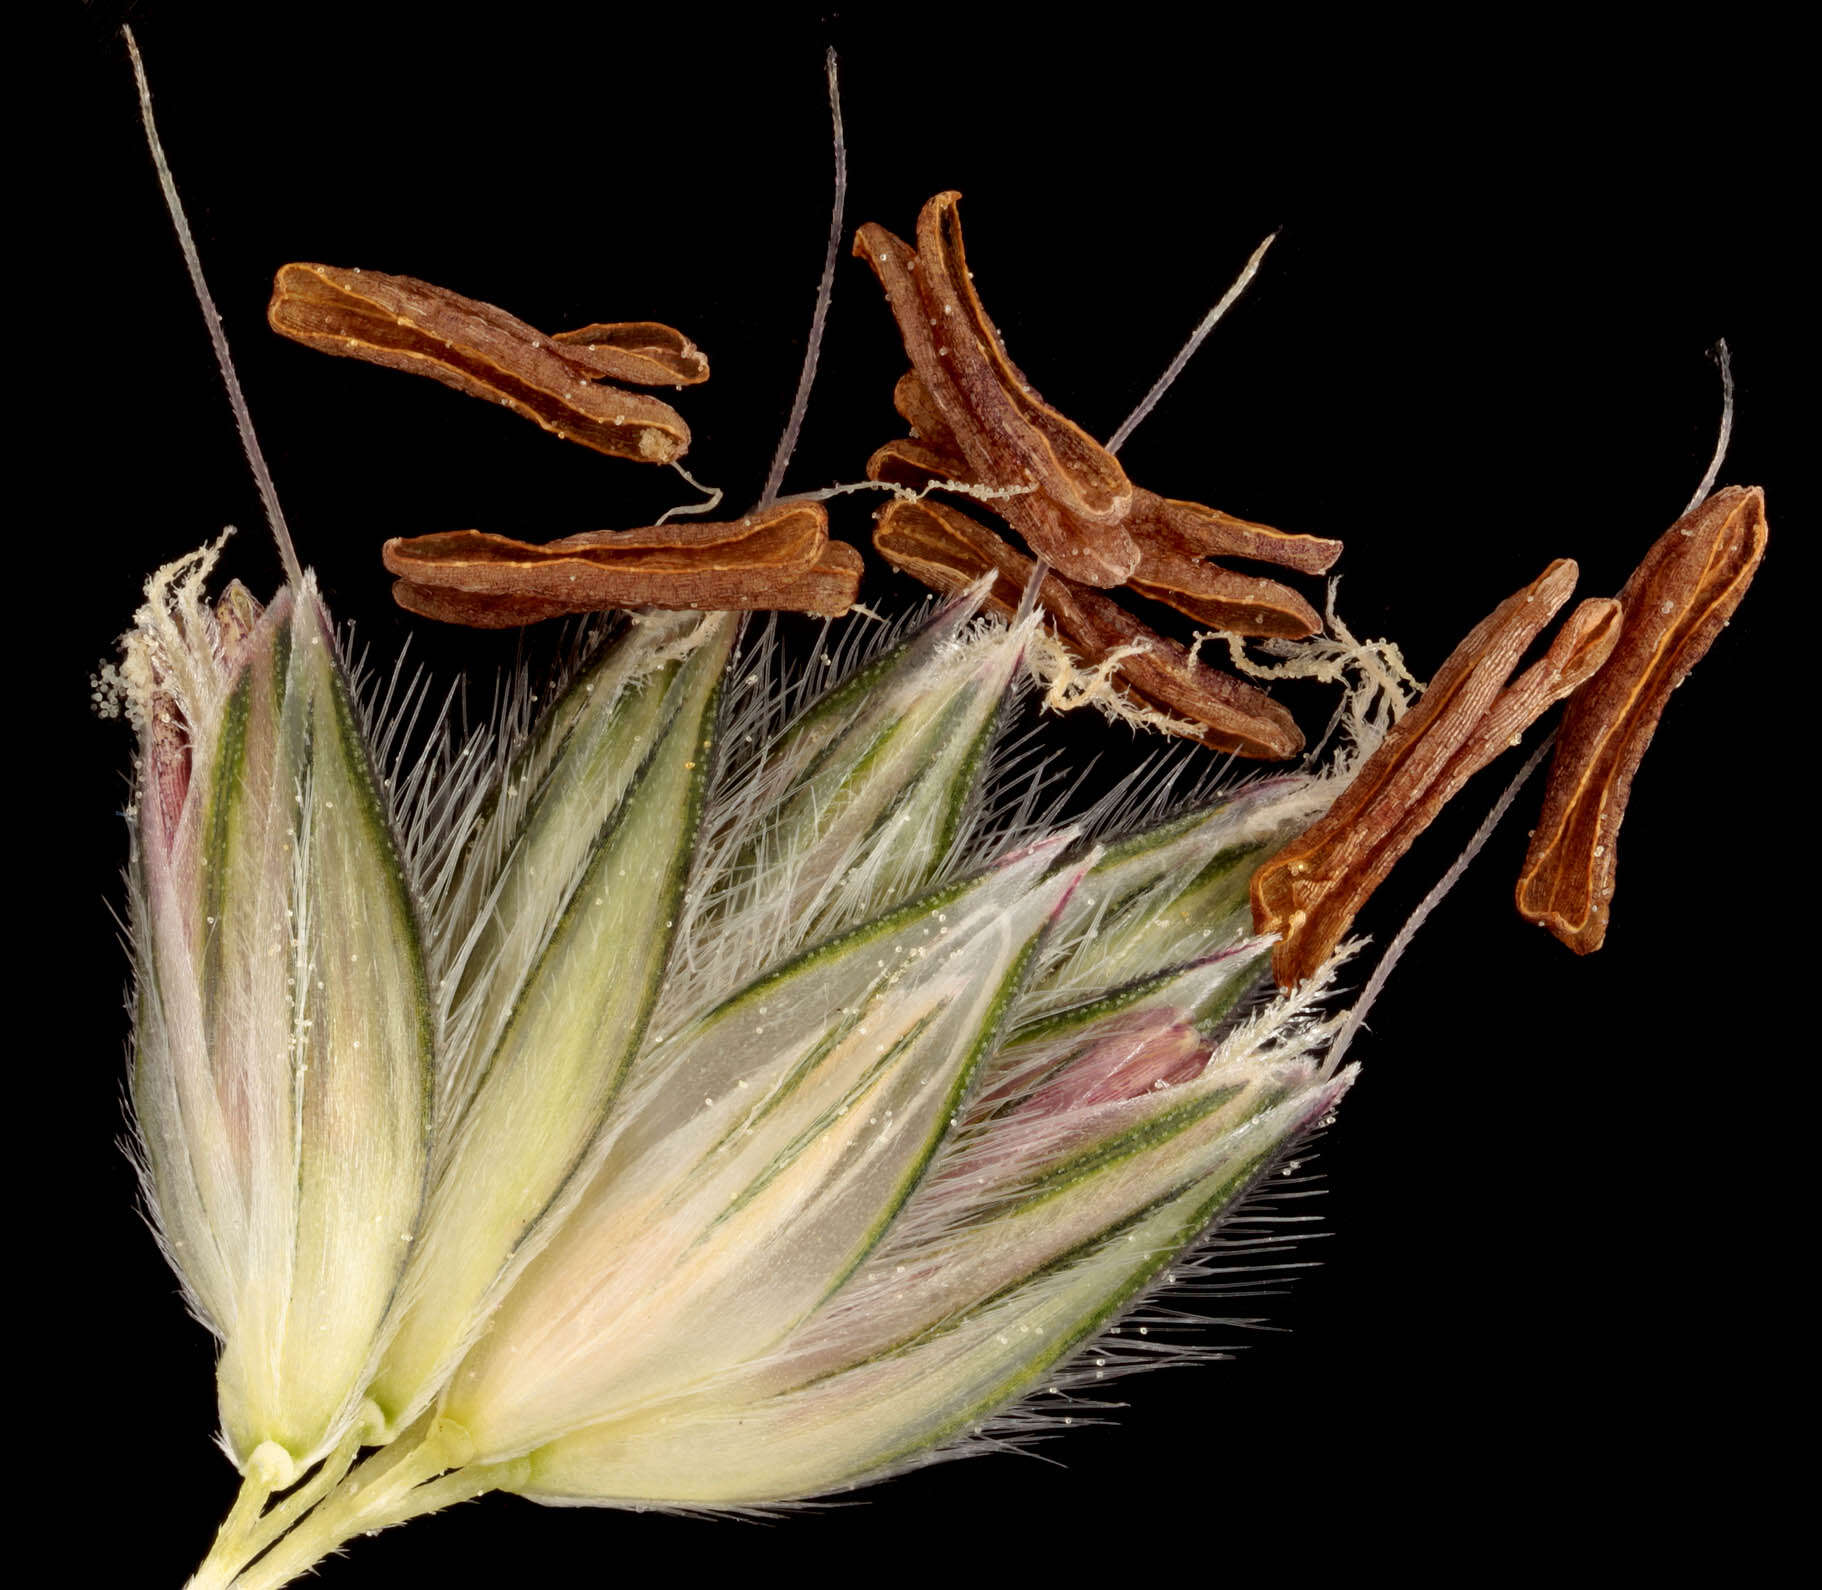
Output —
<point x="555" y="936"/>
<point x="975" y="1102"/>
<point x="283" y="1054"/>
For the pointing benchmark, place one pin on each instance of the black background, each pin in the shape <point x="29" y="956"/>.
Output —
<point x="1479" y="343"/>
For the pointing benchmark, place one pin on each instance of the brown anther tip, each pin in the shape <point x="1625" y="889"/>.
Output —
<point x="1196" y="531"/>
<point x="1674" y="605"/>
<point x="479" y="349"/>
<point x="918" y="409"/>
<point x="645" y="352"/>
<point x="1587" y="640"/>
<point x="916" y="465"/>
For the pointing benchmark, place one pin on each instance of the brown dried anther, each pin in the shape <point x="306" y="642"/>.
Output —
<point x="476" y="348"/>
<point x="950" y="552"/>
<point x="1171" y="567"/>
<point x="976" y="420"/>
<point x="918" y="410"/>
<point x="916" y="464"/>
<point x="1243" y="604"/>
<point x="778" y="558"/>
<point x="1676" y="602"/>
<point x="1194" y="531"/>
<point x="1001" y="429"/>
<point x="1309" y="893"/>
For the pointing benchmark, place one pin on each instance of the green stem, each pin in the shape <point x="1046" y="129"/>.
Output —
<point x="459" y="1485"/>
<point x="378" y="1493"/>
<point x="306" y="1496"/>
<point x="229" y="1550"/>
<point x="246" y="1532"/>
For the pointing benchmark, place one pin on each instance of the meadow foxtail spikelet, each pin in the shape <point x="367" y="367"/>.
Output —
<point x="717" y="1088"/>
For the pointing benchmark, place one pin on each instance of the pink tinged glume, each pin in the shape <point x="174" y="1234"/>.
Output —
<point x="1135" y="1056"/>
<point x="189" y="1082"/>
<point x="804" y="1423"/>
<point x="732" y="1203"/>
<point x="281" y="1058"/>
